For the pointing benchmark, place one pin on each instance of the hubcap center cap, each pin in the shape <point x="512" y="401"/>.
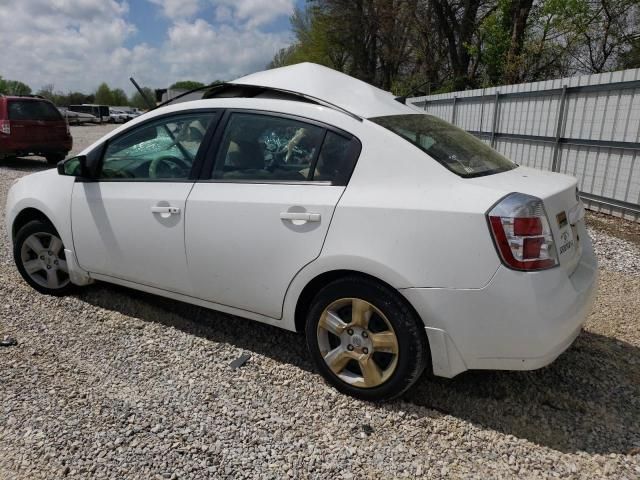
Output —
<point x="358" y="341"/>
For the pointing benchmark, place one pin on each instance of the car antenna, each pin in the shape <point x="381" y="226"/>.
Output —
<point x="144" y="95"/>
<point x="403" y="98"/>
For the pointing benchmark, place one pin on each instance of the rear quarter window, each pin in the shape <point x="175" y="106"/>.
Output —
<point x="457" y="150"/>
<point x="32" y="110"/>
<point x="337" y="159"/>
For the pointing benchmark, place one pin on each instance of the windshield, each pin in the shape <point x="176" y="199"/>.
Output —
<point x="457" y="150"/>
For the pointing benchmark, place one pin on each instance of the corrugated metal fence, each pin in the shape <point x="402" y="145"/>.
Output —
<point x="587" y="126"/>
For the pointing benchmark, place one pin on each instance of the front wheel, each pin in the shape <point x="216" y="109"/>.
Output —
<point x="365" y="340"/>
<point x="39" y="255"/>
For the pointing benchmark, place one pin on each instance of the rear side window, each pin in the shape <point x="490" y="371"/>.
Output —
<point x="265" y="148"/>
<point x="32" y="110"/>
<point x="457" y="150"/>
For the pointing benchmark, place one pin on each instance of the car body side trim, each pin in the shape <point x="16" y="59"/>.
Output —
<point x="195" y="301"/>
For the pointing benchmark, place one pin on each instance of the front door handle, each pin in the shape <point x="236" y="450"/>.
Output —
<point x="165" y="209"/>
<point x="304" y="216"/>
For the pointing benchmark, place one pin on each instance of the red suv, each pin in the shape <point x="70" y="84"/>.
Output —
<point x="33" y="126"/>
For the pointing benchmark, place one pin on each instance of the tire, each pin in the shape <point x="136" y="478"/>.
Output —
<point x="42" y="262"/>
<point x="54" y="158"/>
<point x="384" y="331"/>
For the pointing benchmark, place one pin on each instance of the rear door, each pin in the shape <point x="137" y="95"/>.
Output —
<point x="266" y="208"/>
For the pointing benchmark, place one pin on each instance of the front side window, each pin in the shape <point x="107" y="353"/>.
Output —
<point x="258" y="147"/>
<point x="164" y="149"/>
<point x="263" y="147"/>
<point x="457" y="150"/>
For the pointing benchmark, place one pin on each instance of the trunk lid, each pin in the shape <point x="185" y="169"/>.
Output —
<point x="558" y="193"/>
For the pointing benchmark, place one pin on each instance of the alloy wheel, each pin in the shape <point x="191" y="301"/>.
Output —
<point x="43" y="259"/>
<point x="357" y="342"/>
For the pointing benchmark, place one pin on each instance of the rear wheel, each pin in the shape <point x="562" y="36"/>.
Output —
<point x="365" y="340"/>
<point x="39" y="255"/>
<point x="53" y="158"/>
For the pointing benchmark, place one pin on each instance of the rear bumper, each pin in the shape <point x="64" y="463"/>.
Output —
<point x="519" y="321"/>
<point x="9" y="146"/>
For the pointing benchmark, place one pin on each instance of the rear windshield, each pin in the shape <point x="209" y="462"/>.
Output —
<point x="32" y="110"/>
<point x="457" y="150"/>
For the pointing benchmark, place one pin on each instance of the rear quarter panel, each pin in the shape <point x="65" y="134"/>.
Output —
<point x="407" y="218"/>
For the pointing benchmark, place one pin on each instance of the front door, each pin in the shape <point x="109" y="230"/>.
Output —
<point x="129" y="222"/>
<point x="266" y="210"/>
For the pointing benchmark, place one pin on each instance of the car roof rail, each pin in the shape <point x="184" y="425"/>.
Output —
<point x="217" y="88"/>
<point x="29" y="95"/>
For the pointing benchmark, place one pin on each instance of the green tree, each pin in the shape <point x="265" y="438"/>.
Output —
<point x="459" y="44"/>
<point x="317" y="41"/>
<point x="283" y="57"/>
<point x="187" y="85"/>
<point x="104" y="95"/>
<point x="119" y="98"/>
<point x="47" y="92"/>
<point x="14" y="87"/>
<point x="631" y="57"/>
<point x="78" y="98"/>
<point x="139" y="102"/>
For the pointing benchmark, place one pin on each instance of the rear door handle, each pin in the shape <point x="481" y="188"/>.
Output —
<point x="306" y="216"/>
<point x="165" y="209"/>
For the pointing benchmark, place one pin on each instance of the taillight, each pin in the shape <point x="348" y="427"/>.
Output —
<point x="522" y="234"/>
<point x="5" y="127"/>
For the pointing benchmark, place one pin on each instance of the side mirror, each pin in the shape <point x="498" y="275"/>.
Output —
<point x="74" y="167"/>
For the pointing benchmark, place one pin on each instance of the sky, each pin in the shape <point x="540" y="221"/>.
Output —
<point x="77" y="44"/>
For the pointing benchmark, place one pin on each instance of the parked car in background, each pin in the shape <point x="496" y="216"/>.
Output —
<point x="77" y="118"/>
<point x="99" y="111"/>
<point x="307" y="199"/>
<point x="132" y="112"/>
<point x="31" y="125"/>
<point x="122" y="116"/>
<point x="118" y="116"/>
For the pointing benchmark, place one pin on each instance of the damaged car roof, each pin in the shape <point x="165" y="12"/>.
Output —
<point x="331" y="86"/>
<point x="306" y="82"/>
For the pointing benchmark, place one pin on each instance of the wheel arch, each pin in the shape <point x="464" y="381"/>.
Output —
<point x="313" y="286"/>
<point x="27" y="215"/>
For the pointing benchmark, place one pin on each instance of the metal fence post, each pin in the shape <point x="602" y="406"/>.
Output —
<point x="453" y="111"/>
<point x="494" y="127"/>
<point x="555" y="164"/>
<point x="594" y="135"/>
<point x="481" y="112"/>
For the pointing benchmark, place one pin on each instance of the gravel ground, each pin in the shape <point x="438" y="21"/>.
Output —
<point x="112" y="383"/>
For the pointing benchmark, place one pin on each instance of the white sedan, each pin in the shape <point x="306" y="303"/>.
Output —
<point x="304" y="198"/>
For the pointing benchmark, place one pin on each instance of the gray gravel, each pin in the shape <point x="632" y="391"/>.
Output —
<point x="115" y="384"/>
<point x="616" y="242"/>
